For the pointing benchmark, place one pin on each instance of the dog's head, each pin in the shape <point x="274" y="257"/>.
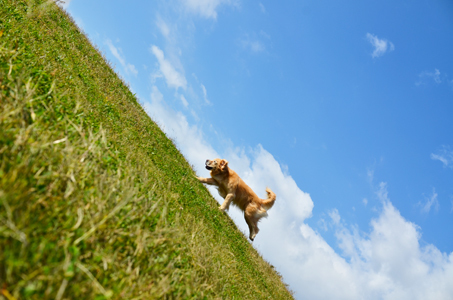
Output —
<point x="217" y="165"/>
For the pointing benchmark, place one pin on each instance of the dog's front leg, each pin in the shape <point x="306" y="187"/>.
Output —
<point x="226" y="204"/>
<point x="209" y="181"/>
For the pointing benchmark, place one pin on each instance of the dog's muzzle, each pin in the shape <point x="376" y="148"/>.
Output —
<point x="207" y="166"/>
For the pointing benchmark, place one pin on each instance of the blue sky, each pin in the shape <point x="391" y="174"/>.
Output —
<point x="343" y="108"/>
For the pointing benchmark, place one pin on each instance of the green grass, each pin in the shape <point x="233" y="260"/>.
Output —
<point x="95" y="201"/>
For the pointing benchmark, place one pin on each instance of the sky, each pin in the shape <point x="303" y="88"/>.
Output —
<point x="343" y="108"/>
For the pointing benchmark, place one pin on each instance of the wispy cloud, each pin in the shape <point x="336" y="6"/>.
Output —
<point x="173" y="78"/>
<point x="381" y="46"/>
<point x="365" y="201"/>
<point x="254" y="42"/>
<point x="117" y="53"/>
<point x="204" y="91"/>
<point x="262" y="8"/>
<point x="445" y="156"/>
<point x="435" y="76"/>
<point x="205" y="94"/>
<point x="205" y="8"/>
<point x="430" y="202"/>
<point x="164" y="28"/>
<point x="335" y="216"/>
<point x="254" y="45"/>
<point x="184" y="101"/>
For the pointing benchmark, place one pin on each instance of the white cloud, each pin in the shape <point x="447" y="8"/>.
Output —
<point x="253" y="41"/>
<point x="335" y="216"/>
<point x="262" y="8"/>
<point x="429" y="203"/>
<point x="389" y="262"/>
<point x="205" y="94"/>
<point x="252" y="44"/>
<point x="436" y="76"/>
<point x="365" y="201"/>
<point x="184" y="101"/>
<point x="445" y="156"/>
<point x="173" y="78"/>
<point x="163" y="27"/>
<point x="386" y="263"/>
<point x="381" y="46"/>
<point x="323" y="224"/>
<point x="116" y="52"/>
<point x="203" y="90"/>
<point x="441" y="158"/>
<point x="425" y="77"/>
<point x="205" y="8"/>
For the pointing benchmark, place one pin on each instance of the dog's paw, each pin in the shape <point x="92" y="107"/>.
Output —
<point x="222" y="208"/>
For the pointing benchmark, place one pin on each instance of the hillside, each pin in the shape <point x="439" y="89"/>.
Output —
<point x="95" y="201"/>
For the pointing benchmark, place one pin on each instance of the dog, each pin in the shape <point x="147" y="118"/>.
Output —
<point x="233" y="189"/>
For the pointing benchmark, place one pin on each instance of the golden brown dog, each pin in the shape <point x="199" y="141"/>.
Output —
<point x="233" y="189"/>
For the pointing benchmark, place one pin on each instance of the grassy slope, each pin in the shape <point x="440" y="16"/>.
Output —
<point x="95" y="201"/>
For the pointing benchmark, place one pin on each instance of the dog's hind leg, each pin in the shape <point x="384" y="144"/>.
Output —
<point x="252" y="223"/>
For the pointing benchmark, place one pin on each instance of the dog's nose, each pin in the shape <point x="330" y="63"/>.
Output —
<point x="207" y="161"/>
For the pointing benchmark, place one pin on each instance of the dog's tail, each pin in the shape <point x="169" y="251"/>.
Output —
<point x="269" y="202"/>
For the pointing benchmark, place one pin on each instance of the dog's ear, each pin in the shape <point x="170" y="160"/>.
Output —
<point x="223" y="164"/>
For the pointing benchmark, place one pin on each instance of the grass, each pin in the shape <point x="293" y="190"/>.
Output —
<point x="95" y="201"/>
